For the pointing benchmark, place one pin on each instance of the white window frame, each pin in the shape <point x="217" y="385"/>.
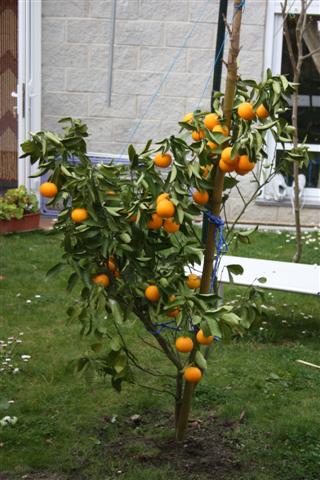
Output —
<point x="29" y="83"/>
<point x="272" y="60"/>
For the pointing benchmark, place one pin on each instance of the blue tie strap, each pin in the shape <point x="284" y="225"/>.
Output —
<point x="221" y="244"/>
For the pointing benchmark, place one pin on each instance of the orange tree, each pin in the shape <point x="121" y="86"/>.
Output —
<point x="129" y="235"/>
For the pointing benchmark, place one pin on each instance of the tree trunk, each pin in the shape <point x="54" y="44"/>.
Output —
<point x="297" y="255"/>
<point x="214" y="204"/>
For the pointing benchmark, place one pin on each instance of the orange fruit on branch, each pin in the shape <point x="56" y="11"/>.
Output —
<point x="152" y="293"/>
<point x="197" y="136"/>
<point x="211" y="120"/>
<point x="165" y="208"/>
<point x="221" y="129"/>
<point x="102" y="279"/>
<point x="170" y="226"/>
<point x="262" y="112"/>
<point x="188" y="118"/>
<point x="163" y="196"/>
<point x="162" y="160"/>
<point x="79" y="215"/>
<point x="175" y="311"/>
<point x="192" y="374"/>
<point x="155" y="222"/>
<point x="202" y="339"/>
<point x="226" y="156"/>
<point x="201" y="198"/>
<point x="244" y="165"/>
<point x="193" y="281"/>
<point x="111" y="264"/>
<point x="245" y="111"/>
<point x="48" y="189"/>
<point x="211" y="145"/>
<point x="184" y="344"/>
<point x="226" y="167"/>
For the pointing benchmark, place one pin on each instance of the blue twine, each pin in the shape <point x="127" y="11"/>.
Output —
<point x="221" y="244"/>
<point x="160" y="326"/>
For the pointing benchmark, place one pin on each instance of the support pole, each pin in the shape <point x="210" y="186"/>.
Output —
<point x="223" y="8"/>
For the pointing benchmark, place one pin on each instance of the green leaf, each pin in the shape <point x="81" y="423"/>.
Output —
<point x="116" y="311"/>
<point x="72" y="280"/>
<point x="200" y="360"/>
<point x="125" y="238"/>
<point x="120" y="362"/>
<point x="235" y="269"/>
<point x="115" y="344"/>
<point x="96" y="347"/>
<point x="262" y="279"/>
<point x="231" y="318"/>
<point x="173" y="174"/>
<point x="54" y="270"/>
<point x="214" y="327"/>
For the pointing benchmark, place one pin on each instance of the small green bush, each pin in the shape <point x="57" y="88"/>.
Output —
<point x="17" y="202"/>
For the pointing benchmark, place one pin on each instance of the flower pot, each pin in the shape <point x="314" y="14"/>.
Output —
<point x="27" y="223"/>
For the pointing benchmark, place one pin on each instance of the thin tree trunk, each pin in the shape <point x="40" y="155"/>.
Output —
<point x="214" y="203"/>
<point x="297" y="255"/>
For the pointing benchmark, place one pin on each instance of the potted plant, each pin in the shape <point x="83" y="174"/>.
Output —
<point x="19" y="211"/>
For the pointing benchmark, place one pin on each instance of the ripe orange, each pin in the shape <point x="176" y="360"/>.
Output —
<point x="174" y="312"/>
<point x="133" y="218"/>
<point x="197" y="136"/>
<point x="163" y="196"/>
<point x="226" y="167"/>
<point x="188" y="118"/>
<point x="205" y="170"/>
<point x="152" y="293"/>
<point x="193" y="281"/>
<point x="200" y="197"/>
<point x="202" y="339"/>
<point x="48" y="189"/>
<point x="102" y="279"/>
<point x="155" y="222"/>
<point x="211" y="120"/>
<point x="221" y="129"/>
<point x="226" y="156"/>
<point x="111" y="193"/>
<point x="211" y="145"/>
<point x="170" y="226"/>
<point x="245" y="111"/>
<point x="262" y="112"/>
<point x="244" y="165"/>
<point x="162" y="160"/>
<point x="184" y="344"/>
<point x="117" y="274"/>
<point x="192" y="374"/>
<point x="111" y="264"/>
<point x="165" y="208"/>
<point x="79" y="215"/>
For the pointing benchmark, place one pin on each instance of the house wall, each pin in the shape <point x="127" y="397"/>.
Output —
<point x="148" y="35"/>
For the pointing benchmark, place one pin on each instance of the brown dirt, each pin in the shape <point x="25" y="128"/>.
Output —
<point x="205" y="453"/>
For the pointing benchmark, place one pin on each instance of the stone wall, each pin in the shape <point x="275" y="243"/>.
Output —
<point x="75" y="46"/>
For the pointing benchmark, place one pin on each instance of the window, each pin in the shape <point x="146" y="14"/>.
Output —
<point x="309" y="94"/>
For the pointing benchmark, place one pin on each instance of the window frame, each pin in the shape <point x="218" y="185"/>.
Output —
<point x="272" y="60"/>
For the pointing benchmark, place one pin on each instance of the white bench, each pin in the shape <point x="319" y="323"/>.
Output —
<point x="290" y="277"/>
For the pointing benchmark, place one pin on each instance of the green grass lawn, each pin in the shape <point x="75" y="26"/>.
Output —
<point x="65" y="427"/>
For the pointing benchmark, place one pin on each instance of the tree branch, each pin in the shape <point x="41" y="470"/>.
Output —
<point x="310" y="54"/>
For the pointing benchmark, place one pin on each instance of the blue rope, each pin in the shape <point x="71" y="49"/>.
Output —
<point x="164" y="78"/>
<point x="160" y="326"/>
<point x="221" y="244"/>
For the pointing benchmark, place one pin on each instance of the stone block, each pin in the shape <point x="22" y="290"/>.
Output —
<point x="125" y="57"/>
<point x="200" y="60"/>
<point x="194" y="103"/>
<point x="65" y="104"/>
<point x="125" y="9"/>
<point x="86" y="80"/>
<point x="62" y="8"/>
<point x="53" y="79"/>
<point x="255" y="13"/>
<point x="164" y="10"/>
<point x="139" y="33"/>
<point x="252" y="39"/>
<point x="168" y="128"/>
<point x="64" y="55"/>
<point x="99" y="129"/>
<point x="113" y="148"/>
<point x="124" y="131"/>
<point x="251" y="64"/>
<point x="88" y="31"/>
<point x="163" y="108"/>
<point x="121" y="106"/>
<point x="209" y="11"/>
<point x="186" y="85"/>
<point x="49" y="122"/>
<point x="53" y="30"/>
<point x="137" y="83"/>
<point x="202" y="36"/>
<point x="155" y="59"/>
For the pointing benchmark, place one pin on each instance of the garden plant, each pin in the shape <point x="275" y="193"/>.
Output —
<point x="128" y="232"/>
